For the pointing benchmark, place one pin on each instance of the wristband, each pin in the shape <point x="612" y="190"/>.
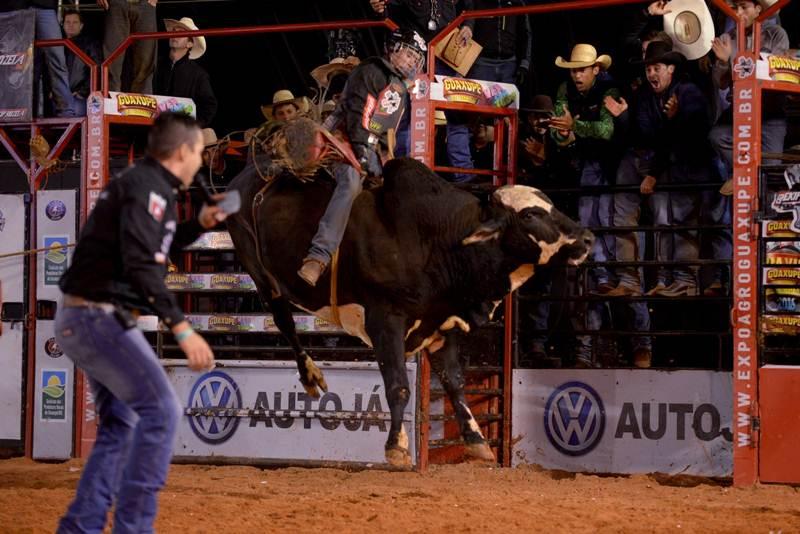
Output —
<point x="183" y="335"/>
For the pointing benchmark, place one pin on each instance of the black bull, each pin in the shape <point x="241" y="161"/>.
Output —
<point x="420" y="260"/>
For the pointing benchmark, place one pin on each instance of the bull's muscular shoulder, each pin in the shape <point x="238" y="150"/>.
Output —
<point x="410" y="184"/>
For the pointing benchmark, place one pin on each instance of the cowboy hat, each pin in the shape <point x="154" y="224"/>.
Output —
<point x="460" y="58"/>
<point x="541" y="104"/>
<point x="209" y="137"/>
<point x="584" y="55"/>
<point x="338" y="65"/>
<point x="661" y="52"/>
<point x="187" y="24"/>
<point x="690" y="26"/>
<point x="284" y="96"/>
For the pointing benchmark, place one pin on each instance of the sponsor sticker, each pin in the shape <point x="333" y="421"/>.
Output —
<point x="54" y="395"/>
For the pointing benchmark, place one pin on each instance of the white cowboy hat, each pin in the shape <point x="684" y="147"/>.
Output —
<point x="338" y="65"/>
<point x="584" y="55"/>
<point x="187" y="24"/>
<point x="690" y="26"/>
<point x="284" y="96"/>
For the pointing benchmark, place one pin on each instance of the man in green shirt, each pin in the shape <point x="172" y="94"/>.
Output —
<point x="583" y="123"/>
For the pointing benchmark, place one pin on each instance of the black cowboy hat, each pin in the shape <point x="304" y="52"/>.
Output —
<point x="661" y="52"/>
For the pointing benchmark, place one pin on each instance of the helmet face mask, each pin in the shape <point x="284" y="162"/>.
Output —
<point x="406" y="59"/>
<point x="406" y="51"/>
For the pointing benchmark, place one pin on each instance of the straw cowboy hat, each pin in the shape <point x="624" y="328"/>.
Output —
<point x="209" y="137"/>
<point x="338" y="65"/>
<point x="584" y="55"/>
<point x="284" y="96"/>
<point x="690" y="26"/>
<point x="187" y="24"/>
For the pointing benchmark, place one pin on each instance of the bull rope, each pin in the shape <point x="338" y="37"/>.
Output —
<point x="35" y="250"/>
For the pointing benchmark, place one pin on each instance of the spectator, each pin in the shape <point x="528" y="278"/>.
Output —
<point x="79" y="73"/>
<point x="182" y="76"/>
<point x="582" y="122"/>
<point x="507" y="45"/>
<point x="673" y="121"/>
<point x="285" y="106"/>
<point x="428" y="18"/>
<point x="124" y="17"/>
<point x="47" y="28"/>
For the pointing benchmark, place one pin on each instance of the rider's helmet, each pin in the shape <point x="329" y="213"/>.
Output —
<point x="406" y="51"/>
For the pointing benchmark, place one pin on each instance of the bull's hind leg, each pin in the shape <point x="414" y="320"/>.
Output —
<point x="310" y="375"/>
<point x="386" y="330"/>
<point x="446" y="365"/>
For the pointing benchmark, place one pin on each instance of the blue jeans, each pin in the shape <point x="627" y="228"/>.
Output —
<point x="334" y="221"/>
<point x="47" y="27"/>
<point x="138" y="413"/>
<point x="595" y="210"/>
<point x="458" y="151"/>
<point x="494" y="70"/>
<point x="678" y="208"/>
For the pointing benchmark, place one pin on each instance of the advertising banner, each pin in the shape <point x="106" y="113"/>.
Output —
<point x="623" y="421"/>
<point x="16" y="65"/>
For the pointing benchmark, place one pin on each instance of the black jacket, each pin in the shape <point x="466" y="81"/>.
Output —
<point x="79" y="75"/>
<point x="122" y="252"/>
<point x="504" y="37"/>
<point x="682" y="140"/>
<point x="186" y="78"/>
<point x="415" y="14"/>
<point x="373" y="101"/>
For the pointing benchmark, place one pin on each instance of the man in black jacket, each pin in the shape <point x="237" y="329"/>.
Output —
<point x="506" y="42"/>
<point x="118" y="269"/>
<point x="182" y="76"/>
<point x="372" y="103"/>
<point x="79" y="74"/>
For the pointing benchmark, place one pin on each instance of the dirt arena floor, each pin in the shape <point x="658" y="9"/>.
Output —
<point x="458" y="498"/>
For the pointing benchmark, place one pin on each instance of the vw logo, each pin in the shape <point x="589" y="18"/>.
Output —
<point x="214" y="390"/>
<point x="574" y="418"/>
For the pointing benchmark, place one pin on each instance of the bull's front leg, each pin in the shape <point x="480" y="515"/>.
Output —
<point x="387" y="331"/>
<point x="447" y="366"/>
<point x="310" y="375"/>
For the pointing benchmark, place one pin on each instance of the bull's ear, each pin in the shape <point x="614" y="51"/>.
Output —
<point x="489" y="230"/>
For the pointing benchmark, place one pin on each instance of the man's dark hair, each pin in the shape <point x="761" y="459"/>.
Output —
<point x="657" y="35"/>
<point x="73" y="11"/>
<point x="169" y="132"/>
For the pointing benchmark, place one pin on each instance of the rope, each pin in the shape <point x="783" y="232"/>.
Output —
<point x="35" y="251"/>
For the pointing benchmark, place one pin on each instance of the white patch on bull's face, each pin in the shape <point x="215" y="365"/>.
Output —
<point x="550" y="249"/>
<point x="351" y="316"/>
<point x="472" y="423"/>
<point x="520" y="276"/>
<point x="402" y="437"/>
<point x="520" y="197"/>
<point x="410" y="330"/>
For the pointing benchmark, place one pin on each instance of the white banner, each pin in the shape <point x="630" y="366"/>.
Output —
<point x="623" y="421"/>
<point x="269" y="432"/>
<point x="12" y="239"/>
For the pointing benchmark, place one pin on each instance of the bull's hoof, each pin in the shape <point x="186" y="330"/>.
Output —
<point x="313" y="380"/>
<point x="480" y="452"/>
<point x="398" y="457"/>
